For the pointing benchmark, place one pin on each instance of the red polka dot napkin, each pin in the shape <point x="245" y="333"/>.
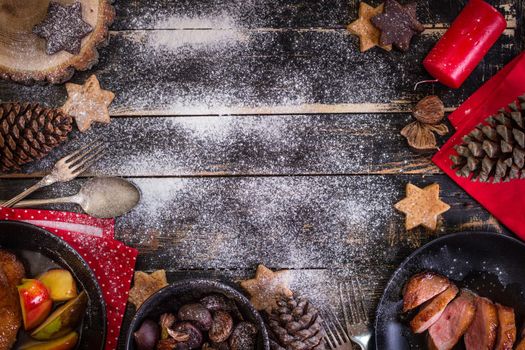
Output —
<point x="112" y="262"/>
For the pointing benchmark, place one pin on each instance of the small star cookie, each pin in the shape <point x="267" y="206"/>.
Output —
<point x="63" y="28"/>
<point x="422" y="206"/>
<point x="362" y="27"/>
<point x="398" y="24"/>
<point x="88" y="103"/>
<point x="145" y="285"/>
<point x="266" y="286"/>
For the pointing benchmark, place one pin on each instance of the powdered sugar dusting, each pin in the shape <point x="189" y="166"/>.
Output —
<point x="238" y="222"/>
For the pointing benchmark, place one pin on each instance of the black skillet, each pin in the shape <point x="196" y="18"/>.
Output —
<point x="492" y="265"/>
<point x="27" y="242"/>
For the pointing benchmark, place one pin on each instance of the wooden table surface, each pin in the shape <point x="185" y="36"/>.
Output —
<point x="258" y="133"/>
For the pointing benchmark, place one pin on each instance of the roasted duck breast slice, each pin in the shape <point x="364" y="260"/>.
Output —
<point x="432" y="310"/>
<point x="521" y="344"/>
<point x="10" y="315"/>
<point x="506" y="329"/>
<point x="481" y="335"/>
<point x="453" y="322"/>
<point x="423" y="287"/>
<point x="12" y="267"/>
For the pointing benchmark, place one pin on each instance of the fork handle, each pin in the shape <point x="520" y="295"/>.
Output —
<point x="45" y="181"/>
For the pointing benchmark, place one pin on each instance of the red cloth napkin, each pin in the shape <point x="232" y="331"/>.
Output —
<point x="112" y="262"/>
<point x="504" y="200"/>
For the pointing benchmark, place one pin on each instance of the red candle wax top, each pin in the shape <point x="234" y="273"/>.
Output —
<point x="465" y="43"/>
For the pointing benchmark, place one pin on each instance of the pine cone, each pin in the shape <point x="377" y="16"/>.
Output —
<point x="495" y="150"/>
<point x="295" y="324"/>
<point x="29" y="132"/>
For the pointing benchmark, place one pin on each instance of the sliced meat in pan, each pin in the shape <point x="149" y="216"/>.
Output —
<point x="11" y="272"/>
<point x="506" y="329"/>
<point x="432" y="310"/>
<point x="423" y="287"/>
<point x="453" y="323"/>
<point x="482" y="332"/>
<point x="521" y="344"/>
<point x="12" y="267"/>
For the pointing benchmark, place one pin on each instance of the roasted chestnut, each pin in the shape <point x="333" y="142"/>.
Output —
<point x="221" y="327"/>
<point x="197" y="314"/>
<point x="243" y="337"/>
<point x="215" y="302"/>
<point x="195" y="336"/>
<point x="147" y="336"/>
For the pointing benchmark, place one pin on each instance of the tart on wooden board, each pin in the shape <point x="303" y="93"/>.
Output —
<point x="23" y="56"/>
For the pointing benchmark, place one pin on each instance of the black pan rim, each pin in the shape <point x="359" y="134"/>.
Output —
<point x="66" y="245"/>
<point x="425" y="247"/>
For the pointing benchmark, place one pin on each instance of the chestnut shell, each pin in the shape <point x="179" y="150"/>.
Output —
<point x="221" y="328"/>
<point x="147" y="336"/>
<point x="196" y="338"/>
<point x="197" y="314"/>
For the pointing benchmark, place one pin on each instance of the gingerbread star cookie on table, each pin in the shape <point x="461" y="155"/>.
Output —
<point x="88" y="103"/>
<point x="63" y="28"/>
<point x="362" y="27"/>
<point x="266" y="286"/>
<point x="145" y="285"/>
<point x="422" y="206"/>
<point x="398" y="24"/>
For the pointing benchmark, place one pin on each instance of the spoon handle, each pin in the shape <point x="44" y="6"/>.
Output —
<point x="39" y="202"/>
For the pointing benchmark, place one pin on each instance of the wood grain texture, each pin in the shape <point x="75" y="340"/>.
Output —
<point x="249" y="145"/>
<point x="218" y="72"/>
<point x="167" y="14"/>
<point x="299" y="222"/>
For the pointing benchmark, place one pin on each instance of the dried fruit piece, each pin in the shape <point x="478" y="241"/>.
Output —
<point x="221" y="328"/>
<point x="166" y="321"/>
<point x="421" y="136"/>
<point x="430" y="110"/>
<point x="243" y="337"/>
<point x="147" y="336"/>
<point x="196" y="313"/>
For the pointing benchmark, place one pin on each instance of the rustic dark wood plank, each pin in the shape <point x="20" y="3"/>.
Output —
<point x="272" y="14"/>
<point x="345" y="222"/>
<point x="215" y="72"/>
<point x="250" y="145"/>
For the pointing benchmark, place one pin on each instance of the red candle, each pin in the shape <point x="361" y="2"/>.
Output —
<point x="465" y="43"/>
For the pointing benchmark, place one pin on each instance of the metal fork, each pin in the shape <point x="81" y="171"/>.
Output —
<point x="355" y="312"/>
<point x="335" y="335"/>
<point x="66" y="169"/>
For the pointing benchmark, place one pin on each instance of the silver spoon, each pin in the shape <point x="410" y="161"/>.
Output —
<point x="101" y="197"/>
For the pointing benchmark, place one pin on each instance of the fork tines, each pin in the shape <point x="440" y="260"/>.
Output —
<point x="80" y="160"/>
<point x="336" y="335"/>
<point x="354" y="310"/>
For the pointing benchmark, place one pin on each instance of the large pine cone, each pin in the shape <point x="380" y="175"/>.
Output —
<point x="495" y="150"/>
<point x="295" y="325"/>
<point x="29" y="132"/>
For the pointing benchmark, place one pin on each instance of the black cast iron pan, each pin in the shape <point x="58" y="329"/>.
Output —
<point x="37" y="248"/>
<point x="492" y="265"/>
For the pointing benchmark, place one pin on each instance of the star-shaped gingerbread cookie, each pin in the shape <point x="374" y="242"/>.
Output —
<point x="266" y="286"/>
<point x="398" y="24"/>
<point x="422" y="206"/>
<point x="145" y="285"/>
<point x="362" y="27"/>
<point x="88" y="103"/>
<point x="63" y="28"/>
